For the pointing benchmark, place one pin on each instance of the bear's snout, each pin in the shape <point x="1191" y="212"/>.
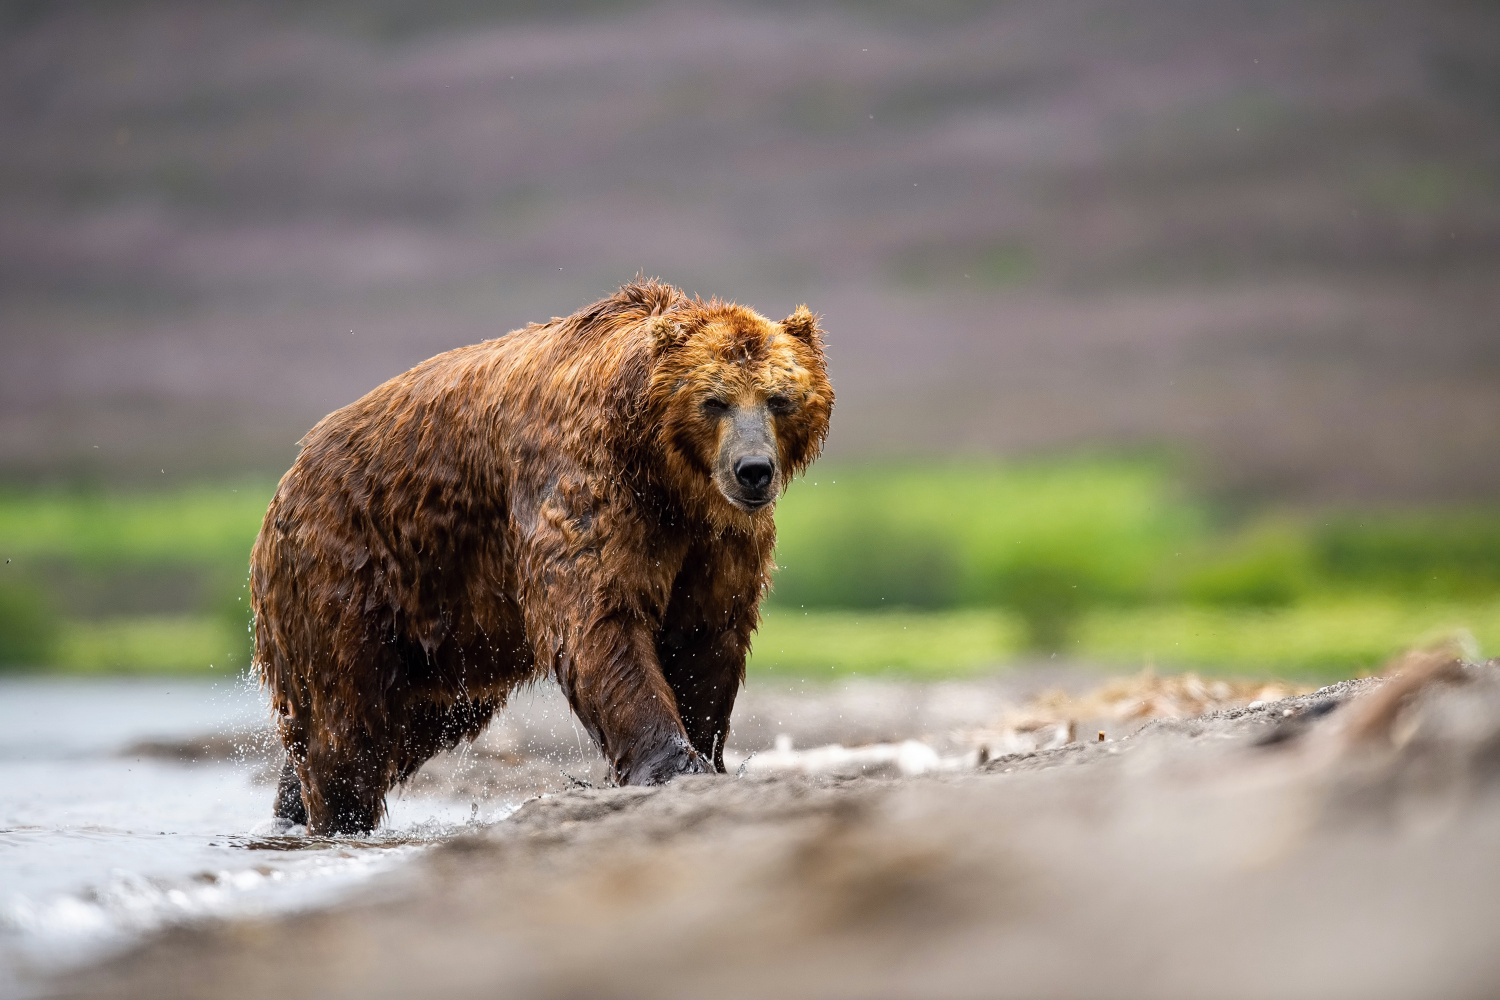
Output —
<point x="754" y="472"/>
<point x="746" y="470"/>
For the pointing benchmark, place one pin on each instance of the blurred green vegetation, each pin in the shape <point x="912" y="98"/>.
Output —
<point x="831" y="644"/>
<point x="1045" y="540"/>
<point x="935" y="568"/>
<point x="1326" y="640"/>
<point x="152" y="644"/>
<point x="1114" y="560"/>
<point x="28" y="624"/>
<point x="962" y="533"/>
<point x="127" y="582"/>
<point x="199" y="526"/>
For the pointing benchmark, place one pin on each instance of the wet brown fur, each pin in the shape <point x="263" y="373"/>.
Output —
<point x="548" y="502"/>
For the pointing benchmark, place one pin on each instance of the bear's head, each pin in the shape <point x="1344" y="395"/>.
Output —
<point x="742" y="402"/>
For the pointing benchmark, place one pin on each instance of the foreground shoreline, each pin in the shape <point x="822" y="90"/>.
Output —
<point x="1340" y="843"/>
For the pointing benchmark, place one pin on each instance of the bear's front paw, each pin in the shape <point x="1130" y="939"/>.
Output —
<point x="657" y="767"/>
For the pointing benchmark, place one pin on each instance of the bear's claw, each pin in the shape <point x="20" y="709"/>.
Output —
<point x="672" y="759"/>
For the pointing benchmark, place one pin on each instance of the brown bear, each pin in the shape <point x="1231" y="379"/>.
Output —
<point x="589" y="498"/>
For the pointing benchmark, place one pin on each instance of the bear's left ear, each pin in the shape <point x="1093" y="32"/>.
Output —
<point x="667" y="333"/>
<point x="803" y="325"/>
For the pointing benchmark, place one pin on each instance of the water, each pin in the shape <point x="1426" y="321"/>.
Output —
<point x="100" y="845"/>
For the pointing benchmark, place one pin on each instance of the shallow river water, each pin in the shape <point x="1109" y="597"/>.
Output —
<point x="101" y="843"/>
<point x="108" y="833"/>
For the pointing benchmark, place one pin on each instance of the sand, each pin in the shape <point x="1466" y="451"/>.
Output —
<point x="1344" y="842"/>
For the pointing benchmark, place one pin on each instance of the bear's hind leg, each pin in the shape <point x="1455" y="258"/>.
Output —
<point x="289" y="807"/>
<point x="345" y="787"/>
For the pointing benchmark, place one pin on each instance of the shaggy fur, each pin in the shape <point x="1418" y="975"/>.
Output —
<point x="563" y="500"/>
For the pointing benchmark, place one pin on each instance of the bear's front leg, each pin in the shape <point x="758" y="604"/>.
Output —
<point x="705" y="669"/>
<point x="611" y="677"/>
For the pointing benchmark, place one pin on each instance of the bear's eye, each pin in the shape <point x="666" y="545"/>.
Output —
<point x="715" y="405"/>
<point x="781" y="404"/>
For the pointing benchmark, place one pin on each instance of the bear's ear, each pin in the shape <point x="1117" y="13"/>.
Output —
<point x="667" y="333"/>
<point x="803" y="325"/>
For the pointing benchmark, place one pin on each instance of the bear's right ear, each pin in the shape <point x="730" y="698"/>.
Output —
<point x="803" y="325"/>
<point x="668" y="333"/>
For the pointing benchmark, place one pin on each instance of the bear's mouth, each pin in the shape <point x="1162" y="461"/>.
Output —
<point x="749" y="504"/>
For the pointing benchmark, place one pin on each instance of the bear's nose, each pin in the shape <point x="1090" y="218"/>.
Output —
<point x="754" y="472"/>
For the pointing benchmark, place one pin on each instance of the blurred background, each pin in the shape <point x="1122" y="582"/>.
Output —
<point x="1164" y="333"/>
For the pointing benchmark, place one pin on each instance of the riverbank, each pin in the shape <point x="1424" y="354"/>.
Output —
<point x="1337" y="843"/>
